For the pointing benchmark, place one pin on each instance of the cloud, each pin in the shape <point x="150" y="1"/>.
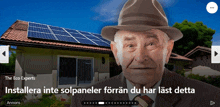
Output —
<point x="108" y="10"/>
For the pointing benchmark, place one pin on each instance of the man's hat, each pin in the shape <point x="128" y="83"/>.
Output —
<point x="142" y="15"/>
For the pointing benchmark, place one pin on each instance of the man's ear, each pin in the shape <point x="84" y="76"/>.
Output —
<point x="114" y="51"/>
<point x="169" y="49"/>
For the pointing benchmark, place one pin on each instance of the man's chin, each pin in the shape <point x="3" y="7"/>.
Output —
<point x="140" y="76"/>
<point x="139" y="79"/>
<point x="142" y="79"/>
<point x="140" y="73"/>
<point x="148" y="71"/>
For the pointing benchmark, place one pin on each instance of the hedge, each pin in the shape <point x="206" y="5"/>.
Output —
<point x="213" y="80"/>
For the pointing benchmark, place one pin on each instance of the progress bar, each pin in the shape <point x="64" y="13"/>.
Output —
<point x="109" y="103"/>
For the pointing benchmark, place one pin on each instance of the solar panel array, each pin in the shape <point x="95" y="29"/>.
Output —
<point x="47" y="32"/>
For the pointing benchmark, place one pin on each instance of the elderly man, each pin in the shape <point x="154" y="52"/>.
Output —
<point x="142" y="43"/>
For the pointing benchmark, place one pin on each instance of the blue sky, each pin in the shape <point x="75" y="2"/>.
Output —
<point x="93" y="15"/>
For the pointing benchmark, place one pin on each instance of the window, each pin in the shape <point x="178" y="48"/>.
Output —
<point x="103" y="60"/>
<point x="74" y="71"/>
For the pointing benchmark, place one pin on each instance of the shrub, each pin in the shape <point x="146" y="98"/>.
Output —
<point x="12" y="97"/>
<point x="47" y="100"/>
<point x="197" y="77"/>
<point x="181" y="72"/>
<point x="213" y="80"/>
<point x="45" y="96"/>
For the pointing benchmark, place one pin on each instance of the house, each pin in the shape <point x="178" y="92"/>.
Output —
<point x="56" y="63"/>
<point x="58" y="57"/>
<point x="178" y="62"/>
<point x="201" y="56"/>
<point x="201" y="63"/>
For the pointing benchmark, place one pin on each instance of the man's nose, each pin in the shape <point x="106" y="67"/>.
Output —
<point x="141" y="55"/>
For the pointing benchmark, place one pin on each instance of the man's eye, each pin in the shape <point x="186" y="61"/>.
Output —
<point x="151" y="44"/>
<point x="130" y="46"/>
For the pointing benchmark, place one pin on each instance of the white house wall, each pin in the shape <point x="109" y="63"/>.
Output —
<point x="42" y="64"/>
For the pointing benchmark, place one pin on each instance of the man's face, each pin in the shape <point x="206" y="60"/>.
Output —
<point x="142" y="55"/>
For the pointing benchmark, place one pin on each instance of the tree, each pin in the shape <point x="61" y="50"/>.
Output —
<point x="194" y="34"/>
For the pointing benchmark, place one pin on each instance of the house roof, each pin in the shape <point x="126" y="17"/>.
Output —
<point x="179" y="57"/>
<point x="198" y="48"/>
<point x="17" y="35"/>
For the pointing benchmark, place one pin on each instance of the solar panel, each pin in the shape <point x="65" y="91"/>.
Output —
<point x="97" y="35"/>
<point x="66" y="39"/>
<point x="85" y="41"/>
<point x="85" y="33"/>
<point x="38" y="25"/>
<point x="48" y="32"/>
<point x="56" y="28"/>
<point x="91" y="37"/>
<point x="39" y="29"/>
<point x="71" y="31"/>
<point x="41" y="35"/>
<point x="60" y="33"/>
<point x="77" y="35"/>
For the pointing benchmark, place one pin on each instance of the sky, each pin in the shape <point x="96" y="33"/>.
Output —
<point x="93" y="15"/>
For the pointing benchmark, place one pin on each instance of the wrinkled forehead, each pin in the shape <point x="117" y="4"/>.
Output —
<point x="131" y="35"/>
